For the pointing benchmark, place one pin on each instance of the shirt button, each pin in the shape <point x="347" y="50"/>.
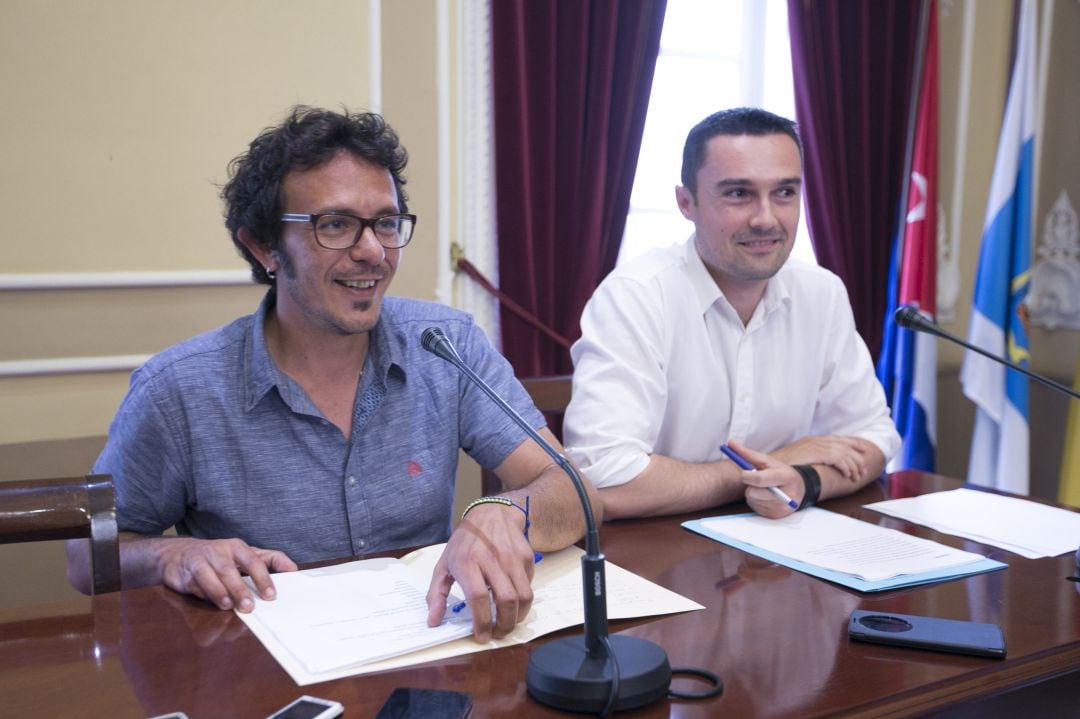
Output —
<point x="352" y="481"/>
<point x="361" y="543"/>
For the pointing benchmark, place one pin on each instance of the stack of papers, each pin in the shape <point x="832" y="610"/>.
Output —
<point x="1020" y="526"/>
<point x="371" y="615"/>
<point x="844" y="550"/>
<point x="332" y="617"/>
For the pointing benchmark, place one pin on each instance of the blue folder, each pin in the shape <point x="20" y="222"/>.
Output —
<point x="848" y="580"/>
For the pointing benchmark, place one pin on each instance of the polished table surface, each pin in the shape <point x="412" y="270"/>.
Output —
<point x="775" y="636"/>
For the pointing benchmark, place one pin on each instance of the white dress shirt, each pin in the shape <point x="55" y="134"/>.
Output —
<point x="664" y="365"/>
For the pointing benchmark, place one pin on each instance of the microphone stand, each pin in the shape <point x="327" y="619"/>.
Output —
<point x="573" y="673"/>
<point x="910" y="318"/>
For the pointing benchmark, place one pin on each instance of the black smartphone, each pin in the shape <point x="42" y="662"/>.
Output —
<point x="407" y="703"/>
<point x="943" y="635"/>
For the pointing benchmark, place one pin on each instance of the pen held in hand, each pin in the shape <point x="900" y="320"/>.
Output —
<point x="738" y="459"/>
<point x="457" y="608"/>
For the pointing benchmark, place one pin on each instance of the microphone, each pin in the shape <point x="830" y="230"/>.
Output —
<point x="593" y="673"/>
<point x="909" y="317"/>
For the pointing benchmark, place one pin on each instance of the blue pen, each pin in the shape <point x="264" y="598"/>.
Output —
<point x="737" y="459"/>
<point x="456" y="609"/>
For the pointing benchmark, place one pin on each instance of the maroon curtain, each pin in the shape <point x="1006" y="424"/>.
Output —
<point x="852" y="64"/>
<point x="571" y="88"/>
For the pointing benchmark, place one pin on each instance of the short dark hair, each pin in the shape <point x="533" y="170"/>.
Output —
<point x="737" y="121"/>
<point x="307" y="138"/>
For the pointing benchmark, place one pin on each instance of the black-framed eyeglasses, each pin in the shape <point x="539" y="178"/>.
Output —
<point x="338" y="231"/>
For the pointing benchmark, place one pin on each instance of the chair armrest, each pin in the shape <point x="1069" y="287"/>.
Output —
<point x="66" y="508"/>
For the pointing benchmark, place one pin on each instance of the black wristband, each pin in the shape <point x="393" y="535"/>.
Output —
<point x="811" y="484"/>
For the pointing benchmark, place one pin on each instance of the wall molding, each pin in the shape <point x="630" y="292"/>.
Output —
<point x="66" y="281"/>
<point x="374" y="42"/>
<point x="70" y="365"/>
<point x="475" y="227"/>
<point x="122" y="280"/>
<point x="443" y="271"/>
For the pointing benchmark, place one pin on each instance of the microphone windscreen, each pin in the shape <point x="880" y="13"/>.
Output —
<point x="429" y="340"/>
<point x="435" y="341"/>
<point x="909" y="317"/>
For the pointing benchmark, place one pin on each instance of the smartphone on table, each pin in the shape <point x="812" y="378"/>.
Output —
<point x="407" y="703"/>
<point x="919" y="632"/>
<point x="307" y="707"/>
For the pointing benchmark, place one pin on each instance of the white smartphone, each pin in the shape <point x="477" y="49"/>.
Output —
<point x="309" y="708"/>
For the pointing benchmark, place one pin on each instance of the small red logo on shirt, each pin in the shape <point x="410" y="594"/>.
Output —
<point x="414" y="468"/>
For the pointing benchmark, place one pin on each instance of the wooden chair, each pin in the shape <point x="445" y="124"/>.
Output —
<point x="66" y="508"/>
<point x="550" y="395"/>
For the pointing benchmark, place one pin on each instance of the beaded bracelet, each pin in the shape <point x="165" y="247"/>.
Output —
<point x="811" y="483"/>
<point x="503" y="501"/>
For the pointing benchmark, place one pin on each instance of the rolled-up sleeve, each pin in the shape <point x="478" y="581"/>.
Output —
<point x="620" y="390"/>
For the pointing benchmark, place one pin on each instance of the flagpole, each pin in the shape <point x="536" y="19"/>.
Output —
<point x="907" y="367"/>
<point x="912" y="121"/>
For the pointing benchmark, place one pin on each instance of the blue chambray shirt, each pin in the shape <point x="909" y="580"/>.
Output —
<point x="212" y="437"/>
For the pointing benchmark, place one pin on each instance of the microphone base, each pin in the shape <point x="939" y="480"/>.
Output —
<point x="561" y="674"/>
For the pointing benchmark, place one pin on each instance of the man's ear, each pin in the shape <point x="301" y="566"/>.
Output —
<point x="262" y="253"/>
<point x="685" y="200"/>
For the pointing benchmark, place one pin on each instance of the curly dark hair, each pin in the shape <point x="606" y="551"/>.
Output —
<point x="737" y="121"/>
<point x="306" y="139"/>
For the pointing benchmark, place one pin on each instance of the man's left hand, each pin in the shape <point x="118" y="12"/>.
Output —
<point x="847" y="455"/>
<point x="493" y="563"/>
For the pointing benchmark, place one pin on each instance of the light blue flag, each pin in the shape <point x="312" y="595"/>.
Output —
<point x="999" y="446"/>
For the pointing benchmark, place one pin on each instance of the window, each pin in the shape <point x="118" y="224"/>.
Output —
<point x="714" y="54"/>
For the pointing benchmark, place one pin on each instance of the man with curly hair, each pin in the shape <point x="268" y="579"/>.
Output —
<point x="318" y="427"/>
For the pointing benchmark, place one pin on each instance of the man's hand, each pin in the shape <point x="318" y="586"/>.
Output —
<point x="847" y="455"/>
<point x="769" y="472"/>
<point x="490" y="558"/>
<point x="210" y="569"/>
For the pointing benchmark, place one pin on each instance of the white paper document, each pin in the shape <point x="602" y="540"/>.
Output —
<point x="843" y="544"/>
<point x="371" y="615"/>
<point x="1018" y="525"/>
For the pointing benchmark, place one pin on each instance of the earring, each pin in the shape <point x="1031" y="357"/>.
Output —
<point x="270" y="273"/>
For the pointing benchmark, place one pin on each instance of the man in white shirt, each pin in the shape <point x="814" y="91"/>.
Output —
<point x="723" y="340"/>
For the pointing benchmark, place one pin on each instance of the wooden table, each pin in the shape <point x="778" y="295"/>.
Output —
<point x="775" y="636"/>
